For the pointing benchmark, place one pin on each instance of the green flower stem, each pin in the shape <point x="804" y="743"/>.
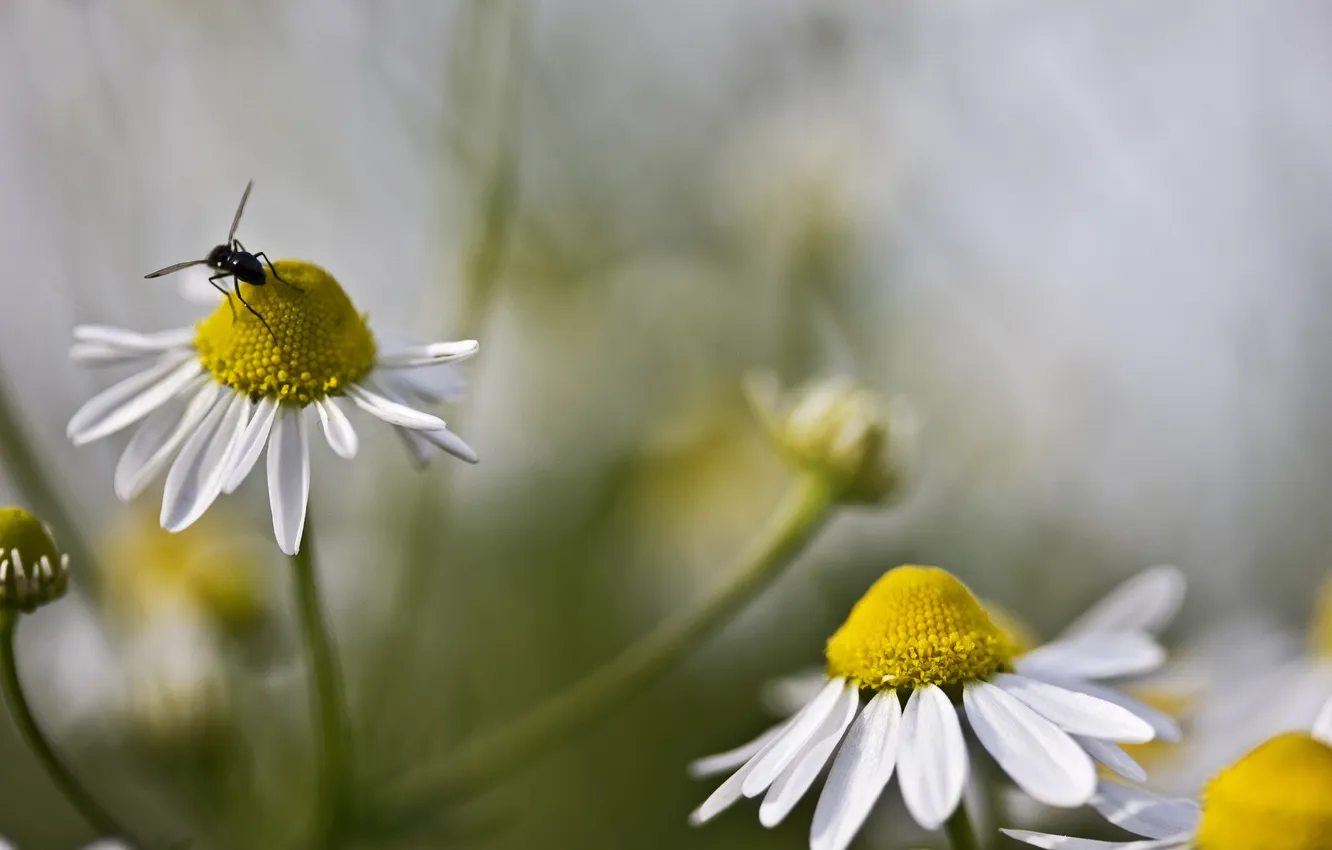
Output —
<point x="961" y="834"/>
<point x="96" y="816"/>
<point x="490" y="757"/>
<point x="37" y="486"/>
<point x="327" y="700"/>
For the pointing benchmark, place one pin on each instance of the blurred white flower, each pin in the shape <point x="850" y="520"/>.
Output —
<point x="1277" y="797"/>
<point x="919" y="634"/>
<point x="216" y="394"/>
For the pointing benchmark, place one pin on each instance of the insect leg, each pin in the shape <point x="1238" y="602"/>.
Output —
<point x="235" y="285"/>
<point x="222" y="289"/>
<point x="276" y="276"/>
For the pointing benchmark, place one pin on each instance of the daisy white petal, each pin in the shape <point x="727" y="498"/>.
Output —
<point x="796" y="779"/>
<point x="421" y="444"/>
<point x="1064" y="842"/>
<point x="289" y="477"/>
<point x="732" y="759"/>
<point x="1145" y="603"/>
<point x="859" y="773"/>
<point x="252" y="442"/>
<point x="1162" y="724"/>
<point x="338" y="430"/>
<point x="1113" y="757"/>
<point x="392" y="412"/>
<point x="158" y="438"/>
<point x="1322" y="726"/>
<point x="127" y="402"/>
<point x="933" y="763"/>
<point x="132" y="342"/>
<point x="730" y="791"/>
<point x="1039" y="756"/>
<point x="449" y="442"/>
<point x="801" y="728"/>
<point x="1098" y="656"/>
<point x="1075" y="712"/>
<point x="428" y="355"/>
<point x="195" y="479"/>
<point x="1144" y="813"/>
<point x="444" y="383"/>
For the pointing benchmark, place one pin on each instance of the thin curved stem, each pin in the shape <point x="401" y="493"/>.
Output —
<point x="96" y="816"/>
<point x="327" y="700"/>
<point x="961" y="834"/>
<point x="488" y="758"/>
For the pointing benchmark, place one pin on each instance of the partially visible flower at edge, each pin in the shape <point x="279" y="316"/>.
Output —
<point x="214" y="395"/>
<point x="33" y="571"/>
<point x="1277" y="797"/>
<point x="918" y="633"/>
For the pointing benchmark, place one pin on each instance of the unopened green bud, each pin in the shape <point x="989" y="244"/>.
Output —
<point x="33" y="571"/>
<point x="840" y="430"/>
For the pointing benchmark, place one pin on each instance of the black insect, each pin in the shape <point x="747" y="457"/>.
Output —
<point x="233" y="261"/>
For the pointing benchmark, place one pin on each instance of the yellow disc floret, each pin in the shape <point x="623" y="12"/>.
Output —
<point x="1278" y="797"/>
<point x="314" y="345"/>
<point x="917" y="626"/>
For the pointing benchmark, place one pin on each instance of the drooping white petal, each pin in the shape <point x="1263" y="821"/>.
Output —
<point x="428" y="355"/>
<point x="1040" y="757"/>
<point x="787" y="694"/>
<point x="1162" y="724"/>
<point x="730" y="791"/>
<point x="1322" y="725"/>
<point x="1064" y="842"/>
<point x="338" y="430"/>
<point x="252" y="442"/>
<point x="289" y="477"/>
<point x="1075" y="712"/>
<point x="157" y="439"/>
<point x="196" y="477"/>
<point x="1095" y="656"/>
<point x="732" y="759"/>
<point x="932" y="765"/>
<point x="127" y="402"/>
<point x="1144" y="813"/>
<point x="801" y="728"/>
<point x="796" y="779"/>
<point x="451" y="443"/>
<point x="859" y="774"/>
<point x="421" y="444"/>
<point x="392" y="412"/>
<point x="1145" y="603"/>
<point x="132" y="342"/>
<point x="1113" y="757"/>
<point x="430" y="386"/>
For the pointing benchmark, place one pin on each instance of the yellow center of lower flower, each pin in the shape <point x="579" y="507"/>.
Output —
<point x="310" y="343"/>
<point x="917" y="626"/>
<point x="1278" y="797"/>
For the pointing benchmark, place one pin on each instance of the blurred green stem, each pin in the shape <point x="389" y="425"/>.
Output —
<point x="36" y="485"/>
<point x="961" y="834"/>
<point x="92" y="812"/>
<point x="327" y="700"/>
<point x="488" y="758"/>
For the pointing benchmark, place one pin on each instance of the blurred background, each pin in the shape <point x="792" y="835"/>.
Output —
<point x="1092" y="243"/>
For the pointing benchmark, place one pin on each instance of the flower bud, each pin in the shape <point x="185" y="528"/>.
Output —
<point x="839" y="430"/>
<point x="33" y="571"/>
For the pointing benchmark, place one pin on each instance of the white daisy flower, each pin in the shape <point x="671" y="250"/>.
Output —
<point x="1278" y="797"/>
<point x="211" y="397"/>
<point x="919" y="644"/>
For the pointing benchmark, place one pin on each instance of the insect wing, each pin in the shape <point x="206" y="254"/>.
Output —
<point x="177" y="267"/>
<point x="235" y="222"/>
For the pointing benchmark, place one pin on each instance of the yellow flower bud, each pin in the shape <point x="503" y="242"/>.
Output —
<point x="33" y="571"/>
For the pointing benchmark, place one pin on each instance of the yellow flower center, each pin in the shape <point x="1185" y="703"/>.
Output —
<point x="1320" y="631"/>
<point x="1278" y="797"/>
<point x="314" y="344"/>
<point x="917" y="626"/>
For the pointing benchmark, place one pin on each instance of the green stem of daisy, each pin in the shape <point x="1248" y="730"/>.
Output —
<point x="39" y="489"/>
<point x="487" y="758"/>
<point x="961" y="834"/>
<point x="327" y="700"/>
<point x="96" y="816"/>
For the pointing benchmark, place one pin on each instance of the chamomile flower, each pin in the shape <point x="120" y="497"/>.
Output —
<point x="1277" y="797"/>
<point x="925" y="651"/>
<point x="211" y="397"/>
